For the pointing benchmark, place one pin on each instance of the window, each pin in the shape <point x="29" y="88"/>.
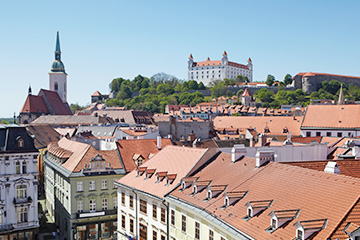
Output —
<point x="17" y="167"/>
<point x="104" y="204"/>
<point x="21" y="191"/>
<point x="328" y="134"/>
<point x="172" y="217"/>
<point x="92" y="186"/>
<point x="273" y="223"/>
<point x="80" y="186"/>
<point x="23" y="167"/>
<point x="122" y="198"/>
<point x="211" y="234"/>
<point x="20" y="143"/>
<point x="143" y="206"/>
<point x="154" y="211"/>
<point x="80" y="206"/>
<point x="104" y="184"/>
<point x="163" y="215"/>
<point x="197" y="230"/>
<point x="115" y="202"/>
<point x="183" y="223"/>
<point x="131" y="225"/>
<point x="131" y="201"/>
<point x="21" y="214"/>
<point x="299" y="234"/>
<point x="308" y="134"/>
<point x="249" y="213"/>
<point x="154" y="235"/>
<point x="163" y="237"/>
<point x="143" y="232"/>
<point x="339" y="134"/>
<point x="318" y="134"/>
<point x="92" y="205"/>
<point x="221" y="238"/>
<point x="123" y="224"/>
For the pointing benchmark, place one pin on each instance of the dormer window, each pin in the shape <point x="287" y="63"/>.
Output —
<point x="285" y="130"/>
<point x="256" y="207"/>
<point x="266" y="129"/>
<point x="273" y="223"/>
<point x="149" y="173"/>
<point x="281" y="217"/>
<point x="214" y="191"/>
<point x="198" y="186"/>
<point x="160" y="176"/>
<point x="231" y="198"/>
<point x="307" y="229"/>
<point x="187" y="182"/>
<point x="299" y="235"/>
<point x="141" y="170"/>
<point x="20" y="142"/>
<point x="170" y="179"/>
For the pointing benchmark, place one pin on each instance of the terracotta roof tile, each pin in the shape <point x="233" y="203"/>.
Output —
<point x="319" y="196"/>
<point x="34" y="104"/>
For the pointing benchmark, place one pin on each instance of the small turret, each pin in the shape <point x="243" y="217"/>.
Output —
<point x="224" y="59"/>
<point x="190" y="61"/>
<point x="29" y="90"/>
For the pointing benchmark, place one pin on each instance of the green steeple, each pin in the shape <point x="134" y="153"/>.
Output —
<point x="57" y="65"/>
<point x="57" y="48"/>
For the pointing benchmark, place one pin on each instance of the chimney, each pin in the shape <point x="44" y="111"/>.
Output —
<point x="263" y="156"/>
<point x="158" y="138"/>
<point x="262" y="139"/>
<point x="332" y="167"/>
<point x="237" y="151"/>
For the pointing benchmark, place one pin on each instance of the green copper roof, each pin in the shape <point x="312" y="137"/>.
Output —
<point x="57" y="48"/>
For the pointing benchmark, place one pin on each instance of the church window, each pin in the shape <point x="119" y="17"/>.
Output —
<point x="56" y="86"/>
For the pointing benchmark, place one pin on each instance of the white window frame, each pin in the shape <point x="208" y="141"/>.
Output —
<point x="115" y="201"/>
<point x="21" y="191"/>
<point x="92" y="185"/>
<point x="80" y="206"/>
<point x="22" y="214"/>
<point x="104" y="204"/>
<point x="92" y="205"/>
<point x="80" y="186"/>
<point x="104" y="184"/>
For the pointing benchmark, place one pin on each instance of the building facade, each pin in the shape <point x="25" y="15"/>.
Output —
<point x="19" y="185"/>
<point x="207" y="71"/>
<point x="80" y="190"/>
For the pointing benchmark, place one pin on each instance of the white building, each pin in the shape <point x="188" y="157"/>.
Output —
<point x="142" y="210"/>
<point x="18" y="184"/>
<point x="207" y="71"/>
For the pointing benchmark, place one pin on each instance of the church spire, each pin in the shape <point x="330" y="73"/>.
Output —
<point x="57" y="48"/>
<point x="29" y="90"/>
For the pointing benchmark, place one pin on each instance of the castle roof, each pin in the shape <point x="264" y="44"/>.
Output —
<point x="306" y="74"/>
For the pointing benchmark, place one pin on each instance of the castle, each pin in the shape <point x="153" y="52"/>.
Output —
<point x="310" y="82"/>
<point x="207" y="71"/>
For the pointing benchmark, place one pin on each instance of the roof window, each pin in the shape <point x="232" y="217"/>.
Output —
<point x="149" y="173"/>
<point x="187" y="182"/>
<point x="231" y="198"/>
<point x="214" y="191"/>
<point x="280" y="218"/>
<point x="160" y="176"/>
<point x="310" y="228"/>
<point x="199" y="186"/>
<point x="140" y="171"/>
<point x="256" y="208"/>
<point x="170" y="179"/>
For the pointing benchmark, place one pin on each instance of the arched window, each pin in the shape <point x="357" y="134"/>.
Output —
<point x="20" y="142"/>
<point x="56" y="86"/>
<point x="249" y="213"/>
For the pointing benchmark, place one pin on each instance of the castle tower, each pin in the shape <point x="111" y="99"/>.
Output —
<point x="57" y="75"/>
<point x="190" y="61"/>
<point x="224" y="59"/>
<point x="250" y="66"/>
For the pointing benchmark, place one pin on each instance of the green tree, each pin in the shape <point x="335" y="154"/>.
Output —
<point x="270" y="80"/>
<point x="124" y="93"/>
<point x="193" y="85"/>
<point x="288" y="79"/>
<point x="332" y="87"/>
<point x="241" y="79"/>
<point x="76" y="107"/>
<point x="264" y="95"/>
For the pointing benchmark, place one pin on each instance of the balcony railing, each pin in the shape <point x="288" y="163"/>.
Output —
<point x="22" y="200"/>
<point x="7" y="227"/>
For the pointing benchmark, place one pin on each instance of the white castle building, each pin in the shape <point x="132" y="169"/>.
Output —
<point x="208" y="70"/>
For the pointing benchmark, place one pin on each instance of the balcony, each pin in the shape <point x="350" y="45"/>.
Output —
<point x="7" y="227"/>
<point x="22" y="200"/>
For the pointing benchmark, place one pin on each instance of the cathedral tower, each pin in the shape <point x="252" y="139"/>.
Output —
<point x="57" y="75"/>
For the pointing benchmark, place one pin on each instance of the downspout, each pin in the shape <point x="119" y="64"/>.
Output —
<point x="167" y="219"/>
<point x="136" y="214"/>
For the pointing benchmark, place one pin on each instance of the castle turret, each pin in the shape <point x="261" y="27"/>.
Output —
<point x="190" y="61"/>
<point x="224" y="59"/>
<point x="57" y="75"/>
<point x="250" y="66"/>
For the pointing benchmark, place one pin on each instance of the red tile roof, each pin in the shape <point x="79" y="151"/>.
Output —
<point x="176" y="161"/>
<point x="96" y="94"/>
<point x="34" y="104"/>
<point x="324" y="74"/>
<point x="144" y="147"/>
<point x="319" y="196"/>
<point x="55" y="102"/>
<point x="332" y="116"/>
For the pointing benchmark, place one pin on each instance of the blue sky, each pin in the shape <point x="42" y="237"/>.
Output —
<point x="102" y="40"/>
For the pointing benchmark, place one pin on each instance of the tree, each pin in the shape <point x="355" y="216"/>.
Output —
<point x="332" y="87"/>
<point x="288" y="79"/>
<point x="264" y="95"/>
<point x="270" y="80"/>
<point x="241" y="79"/>
<point x="124" y="93"/>
<point x="76" y="107"/>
